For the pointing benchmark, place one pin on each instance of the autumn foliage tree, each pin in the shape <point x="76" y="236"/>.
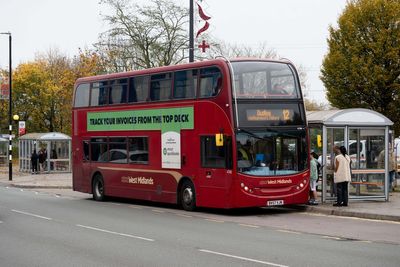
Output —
<point x="362" y="67"/>
<point x="43" y="89"/>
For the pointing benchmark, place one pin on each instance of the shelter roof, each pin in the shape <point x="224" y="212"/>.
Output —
<point x="350" y="117"/>
<point x="45" y="136"/>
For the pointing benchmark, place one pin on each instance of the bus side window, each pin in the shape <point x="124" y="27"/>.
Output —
<point x="213" y="156"/>
<point x="185" y="84"/>
<point x="210" y="81"/>
<point x="160" y="87"/>
<point x="138" y="150"/>
<point x="82" y="95"/>
<point x="138" y="89"/>
<point x="99" y="94"/>
<point x="118" y="91"/>
<point x="99" y="149"/>
<point x="85" y="150"/>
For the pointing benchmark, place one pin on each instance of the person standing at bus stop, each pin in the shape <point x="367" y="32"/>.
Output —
<point x="313" y="178"/>
<point x="342" y="175"/>
<point x="34" y="161"/>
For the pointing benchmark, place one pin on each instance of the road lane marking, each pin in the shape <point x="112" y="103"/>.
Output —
<point x="213" y="220"/>
<point x="135" y="207"/>
<point x="33" y="215"/>
<point x="249" y="225"/>
<point x="289" y="232"/>
<point x="183" y="215"/>
<point x="331" y="237"/>
<point x="114" y="233"/>
<point x="242" y="258"/>
<point x="158" y="211"/>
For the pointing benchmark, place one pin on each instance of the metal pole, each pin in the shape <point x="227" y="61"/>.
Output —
<point x="9" y="107"/>
<point x="191" y="39"/>
<point x="10" y="111"/>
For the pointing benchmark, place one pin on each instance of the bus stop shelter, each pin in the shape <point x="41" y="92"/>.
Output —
<point x="56" y="148"/>
<point x="365" y="134"/>
<point x="4" y="142"/>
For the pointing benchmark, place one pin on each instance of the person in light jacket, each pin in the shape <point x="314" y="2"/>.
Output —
<point x="342" y="175"/>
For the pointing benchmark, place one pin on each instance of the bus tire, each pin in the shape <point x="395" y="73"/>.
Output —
<point x="98" y="188"/>
<point x="187" y="195"/>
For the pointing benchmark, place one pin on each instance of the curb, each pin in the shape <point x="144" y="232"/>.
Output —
<point x="35" y="186"/>
<point x="347" y="213"/>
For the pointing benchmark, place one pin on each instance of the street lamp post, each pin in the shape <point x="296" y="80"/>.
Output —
<point x="9" y="108"/>
<point x="191" y="30"/>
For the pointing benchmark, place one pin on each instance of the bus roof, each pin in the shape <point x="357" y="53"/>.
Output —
<point x="197" y="64"/>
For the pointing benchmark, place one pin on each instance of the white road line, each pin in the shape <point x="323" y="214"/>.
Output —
<point x="158" y="211"/>
<point x="249" y="225"/>
<point x="183" y="215"/>
<point x="213" y="220"/>
<point x="135" y="207"/>
<point x="243" y="258"/>
<point x="331" y="237"/>
<point x="115" y="233"/>
<point x="289" y="232"/>
<point x="33" y="215"/>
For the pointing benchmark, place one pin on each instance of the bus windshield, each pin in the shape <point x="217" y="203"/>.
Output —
<point x="271" y="152"/>
<point x="261" y="80"/>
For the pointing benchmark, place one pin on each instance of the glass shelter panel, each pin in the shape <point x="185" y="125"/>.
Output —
<point x="367" y="152"/>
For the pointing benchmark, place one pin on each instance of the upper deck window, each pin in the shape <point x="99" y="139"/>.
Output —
<point x="82" y="95"/>
<point x="185" y="84"/>
<point x="138" y="89"/>
<point x="210" y="81"/>
<point x="118" y="91"/>
<point x="160" y="87"/>
<point x="265" y="80"/>
<point x="99" y="94"/>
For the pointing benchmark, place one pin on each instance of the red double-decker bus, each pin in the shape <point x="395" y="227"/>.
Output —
<point x="218" y="133"/>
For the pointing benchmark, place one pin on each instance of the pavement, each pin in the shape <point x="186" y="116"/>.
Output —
<point x="61" y="183"/>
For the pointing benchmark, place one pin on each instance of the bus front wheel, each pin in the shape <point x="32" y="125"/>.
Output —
<point x="188" y="196"/>
<point x="98" y="188"/>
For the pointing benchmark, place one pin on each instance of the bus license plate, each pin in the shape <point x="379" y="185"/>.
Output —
<point x="275" y="203"/>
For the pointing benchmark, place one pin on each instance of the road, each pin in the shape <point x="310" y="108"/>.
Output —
<point x="43" y="229"/>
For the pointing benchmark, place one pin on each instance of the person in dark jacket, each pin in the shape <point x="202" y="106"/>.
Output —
<point x="34" y="161"/>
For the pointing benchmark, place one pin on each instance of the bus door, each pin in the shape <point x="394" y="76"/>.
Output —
<point x="82" y="166"/>
<point x="216" y="161"/>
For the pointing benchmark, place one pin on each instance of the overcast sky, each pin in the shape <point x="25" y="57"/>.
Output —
<point x="295" y="29"/>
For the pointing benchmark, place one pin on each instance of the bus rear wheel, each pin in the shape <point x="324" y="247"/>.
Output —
<point x="98" y="188"/>
<point x="188" y="196"/>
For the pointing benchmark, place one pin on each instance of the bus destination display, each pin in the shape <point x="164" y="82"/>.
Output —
<point x="269" y="114"/>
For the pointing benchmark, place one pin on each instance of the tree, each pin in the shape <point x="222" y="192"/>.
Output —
<point x="43" y="89"/>
<point x="362" y="67"/>
<point x="87" y="63"/>
<point x="312" y="105"/>
<point x="143" y="36"/>
<point x="221" y="48"/>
